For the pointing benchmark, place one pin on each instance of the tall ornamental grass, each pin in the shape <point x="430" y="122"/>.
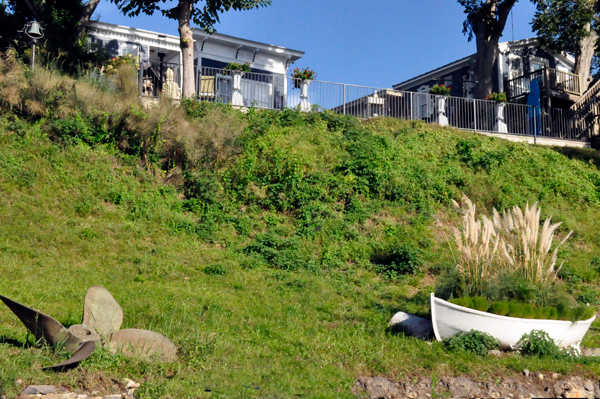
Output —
<point x="510" y="243"/>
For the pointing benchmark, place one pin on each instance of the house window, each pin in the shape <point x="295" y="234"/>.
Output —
<point x="128" y="48"/>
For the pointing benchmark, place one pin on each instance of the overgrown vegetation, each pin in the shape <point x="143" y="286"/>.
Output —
<point x="272" y="247"/>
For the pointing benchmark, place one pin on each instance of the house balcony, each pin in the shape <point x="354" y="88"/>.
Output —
<point x="553" y="84"/>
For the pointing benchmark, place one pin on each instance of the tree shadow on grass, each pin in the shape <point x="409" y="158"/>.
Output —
<point x="13" y="342"/>
<point x="586" y="155"/>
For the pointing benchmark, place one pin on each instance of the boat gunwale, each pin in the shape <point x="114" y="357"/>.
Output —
<point x="505" y="318"/>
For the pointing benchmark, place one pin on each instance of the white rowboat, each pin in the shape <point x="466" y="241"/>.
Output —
<point x="449" y="319"/>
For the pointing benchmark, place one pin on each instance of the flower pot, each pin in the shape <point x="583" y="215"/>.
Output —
<point x="500" y="125"/>
<point x="237" y="99"/>
<point x="304" y="104"/>
<point x="442" y="119"/>
<point x="449" y="319"/>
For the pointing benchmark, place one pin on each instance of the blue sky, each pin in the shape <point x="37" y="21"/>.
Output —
<point x="365" y="42"/>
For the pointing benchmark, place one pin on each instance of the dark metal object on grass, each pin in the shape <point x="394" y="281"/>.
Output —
<point x="102" y="318"/>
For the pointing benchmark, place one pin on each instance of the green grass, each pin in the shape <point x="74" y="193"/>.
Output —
<point x="265" y="282"/>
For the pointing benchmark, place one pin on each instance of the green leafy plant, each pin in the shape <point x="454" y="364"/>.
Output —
<point x="538" y="343"/>
<point x="476" y="342"/>
<point x="403" y="259"/>
<point x="440" y="90"/>
<point x="477" y="303"/>
<point x="236" y="66"/>
<point x="304" y="74"/>
<point x="497" y="97"/>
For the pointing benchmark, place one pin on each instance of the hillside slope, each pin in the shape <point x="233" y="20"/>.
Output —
<point x="277" y="260"/>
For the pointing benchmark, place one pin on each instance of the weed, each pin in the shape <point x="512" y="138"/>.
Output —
<point x="215" y="270"/>
<point x="538" y="343"/>
<point x="400" y="260"/>
<point x="476" y="342"/>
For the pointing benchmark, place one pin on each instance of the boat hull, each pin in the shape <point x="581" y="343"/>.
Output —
<point x="449" y="319"/>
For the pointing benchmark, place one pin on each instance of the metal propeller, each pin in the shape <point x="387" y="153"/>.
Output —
<point x="102" y="318"/>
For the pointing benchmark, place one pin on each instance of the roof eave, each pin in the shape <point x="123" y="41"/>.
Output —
<point x="234" y="41"/>
<point x="433" y="74"/>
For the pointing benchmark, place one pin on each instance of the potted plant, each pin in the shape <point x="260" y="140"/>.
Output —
<point x="301" y="75"/>
<point x="239" y="67"/>
<point x="500" y="100"/>
<point x="442" y="92"/>
<point x="302" y="79"/>
<point x="506" y="281"/>
<point x="497" y="97"/>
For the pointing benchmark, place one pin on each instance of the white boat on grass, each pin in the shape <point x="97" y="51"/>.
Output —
<point x="449" y="319"/>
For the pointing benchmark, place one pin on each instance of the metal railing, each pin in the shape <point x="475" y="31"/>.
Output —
<point x="277" y="92"/>
<point x="547" y="77"/>
<point x="154" y="77"/>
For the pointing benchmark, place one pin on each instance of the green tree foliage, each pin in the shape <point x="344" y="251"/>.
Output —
<point x="485" y="21"/>
<point x="204" y="13"/>
<point x="569" y="26"/>
<point x="64" y="23"/>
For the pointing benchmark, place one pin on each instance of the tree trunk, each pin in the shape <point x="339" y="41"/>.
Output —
<point x="187" y="47"/>
<point x="583" y="59"/>
<point x="487" y="53"/>
<point x="488" y="28"/>
<point x="84" y="19"/>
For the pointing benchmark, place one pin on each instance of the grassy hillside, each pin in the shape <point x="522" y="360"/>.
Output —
<point x="271" y="247"/>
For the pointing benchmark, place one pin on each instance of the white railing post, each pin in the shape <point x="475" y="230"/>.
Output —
<point x="344" y="99"/>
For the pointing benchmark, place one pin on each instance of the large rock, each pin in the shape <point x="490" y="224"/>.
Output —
<point x="41" y="389"/>
<point x="412" y="325"/>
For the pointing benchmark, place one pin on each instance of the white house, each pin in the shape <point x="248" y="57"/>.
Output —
<point x="264" y="86"/>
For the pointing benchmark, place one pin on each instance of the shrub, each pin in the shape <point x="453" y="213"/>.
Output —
<point x="403" y="259"/>
<point x="480" y="303"/>
<point x="477" y="303"/>
<point x="464" y="301"/>
<point x="476" y="342"/>
<point x="538" y="343"/>
<point x="278" y="252"/>
<point x="499" y="308"/>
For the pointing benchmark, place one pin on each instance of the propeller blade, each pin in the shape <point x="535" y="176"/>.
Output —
<point x="41" y="325"/>
<point x="83" y="353"/>
<point x="144" y="344"/>
<point x="101" y="311"/>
